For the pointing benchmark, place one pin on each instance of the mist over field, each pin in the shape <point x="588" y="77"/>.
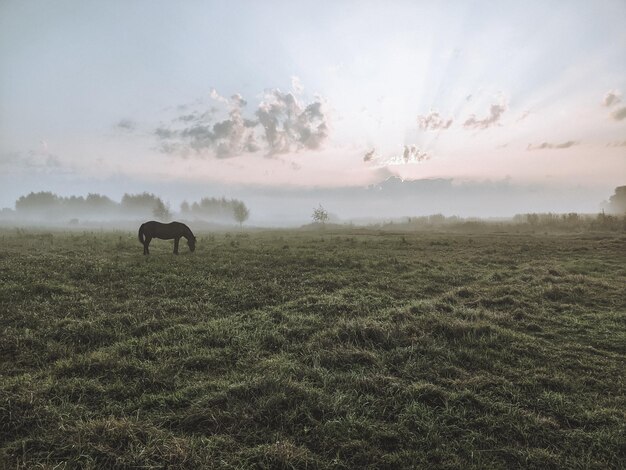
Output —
<point x="393" y="200"/>
<point x="344" y="234"/>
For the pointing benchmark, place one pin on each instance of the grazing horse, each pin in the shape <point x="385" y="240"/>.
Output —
<point x="173" y="230"/>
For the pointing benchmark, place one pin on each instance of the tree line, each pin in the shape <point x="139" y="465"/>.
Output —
<point x="49" y="206"/>
<point x="216" y="208"/>
<point x="530" y="222"/>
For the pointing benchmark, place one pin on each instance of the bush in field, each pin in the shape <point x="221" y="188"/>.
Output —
<point x="241" y="213"/>
<point x="320" y="215"/>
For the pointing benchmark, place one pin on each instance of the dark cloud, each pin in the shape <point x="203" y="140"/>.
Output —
<point x="226" y="138"/>
<point x="619" y="113"/>
<point x="173" y="148"/>
<point x="164" y="133"/>
<point x="281" y="123"/>
<point x="126" y="125"/>
<point x="612" y="97"/>
<point x="369" y="155"/>
<point x="495" y="113"/>
<point x="197" y="116"/>
<point x="32" y="160"/>
<point x="288" y="125"/>
<point x="433" y="121"/>
<point x="413" y="154"/>
<point x="546" y="145"/>
<point x="410" y="154"/>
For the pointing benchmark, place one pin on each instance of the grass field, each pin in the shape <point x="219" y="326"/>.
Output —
<point x="354" y="349"/>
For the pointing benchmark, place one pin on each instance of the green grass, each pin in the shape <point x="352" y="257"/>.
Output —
<point x="352" y="349"/>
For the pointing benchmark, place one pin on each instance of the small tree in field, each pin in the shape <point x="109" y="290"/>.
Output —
<point x="241" y="213"/>
<point x="320" y="215"/>
<point x="617" y="202"/>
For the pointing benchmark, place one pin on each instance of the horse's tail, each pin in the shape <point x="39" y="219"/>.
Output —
<point x="140" y="235"/>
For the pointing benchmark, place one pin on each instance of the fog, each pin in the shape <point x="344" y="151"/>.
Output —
<point x="390" y="200"/>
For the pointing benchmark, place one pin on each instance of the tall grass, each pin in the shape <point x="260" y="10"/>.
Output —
<point x="350" y="349"/>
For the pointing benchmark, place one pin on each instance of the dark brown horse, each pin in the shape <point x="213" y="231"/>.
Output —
<point x="173" y="230"/>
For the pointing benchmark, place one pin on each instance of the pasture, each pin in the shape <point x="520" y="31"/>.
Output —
<point x="293" y="349"/>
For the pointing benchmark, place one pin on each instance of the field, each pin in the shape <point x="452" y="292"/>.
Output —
<point x="347" y="349"/>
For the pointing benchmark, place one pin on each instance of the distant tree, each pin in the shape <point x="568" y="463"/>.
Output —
<point x="241" y="213"/>
<point x="617" y="202"/>
<point x="95" y="201"/>
<point x="436" y="219"/>
<point x="161" y="211"/>
<point x="184" y="207"/>
<point x="73" y="204"/>
<point x="140" y="204"/>
<point x="320" y="215"/>
<point x="6" y="212"/>
<point x="532" y="219"/>
<point x="44" y="200"/>
<point x="214" y="208"/>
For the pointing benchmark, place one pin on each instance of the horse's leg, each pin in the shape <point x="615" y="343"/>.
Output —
<point x="146" y="243"/>
<point x="176" y="240"/>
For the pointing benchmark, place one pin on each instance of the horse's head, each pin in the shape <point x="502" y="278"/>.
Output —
<point x="191" y="241"/>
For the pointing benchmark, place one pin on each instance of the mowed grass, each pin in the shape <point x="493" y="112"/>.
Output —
<point x="353" y="349"/>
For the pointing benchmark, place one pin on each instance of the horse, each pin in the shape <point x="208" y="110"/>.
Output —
<point x="173" y="230"/>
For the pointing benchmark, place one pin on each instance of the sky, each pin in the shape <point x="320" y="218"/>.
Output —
<point x="466" y="108"/>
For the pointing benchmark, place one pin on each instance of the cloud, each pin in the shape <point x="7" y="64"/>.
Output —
<point x="281" y="123"/>
<point x="198" y="116"/>
<point x="164" y="133"/>
<point x="619" y="113"/>
<point x="410" y="154"/>
<point x="289" y="125"/>
<point x="524" y="115"/>
<point x="612" y="97"/>
<point x="546" y="145"/>
<point x="217" y="97"/>
<point x="369" y="156"/>
<point x="495" y="113"/>
<point x="126" y="125"/>
<point x="32" y="160"/>
<point x="296" y="85"/>
<point x="223" y="139"/>
<point x="433" y="121"/>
